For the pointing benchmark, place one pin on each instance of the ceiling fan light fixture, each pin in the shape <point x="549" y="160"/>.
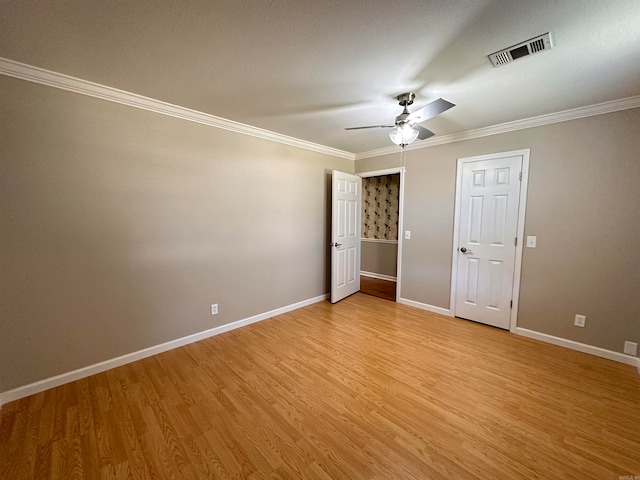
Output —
<point x="403" y="135"/>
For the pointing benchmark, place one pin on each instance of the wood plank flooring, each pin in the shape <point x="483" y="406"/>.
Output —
<point x="364" y="389"/>
<point x="378" y="288"/>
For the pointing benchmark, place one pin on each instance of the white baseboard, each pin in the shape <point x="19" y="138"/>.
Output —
<point x="580" y="347"/>
<point x="42" y="385"/>
<point x="379" y="276"/>
<point x="425" y="306"/>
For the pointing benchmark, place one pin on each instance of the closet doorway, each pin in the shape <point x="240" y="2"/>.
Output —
<point x="381" y="242"/>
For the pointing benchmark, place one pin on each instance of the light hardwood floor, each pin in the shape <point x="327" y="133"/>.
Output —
<point x="378" y="288"/>
<point x="364" y="389"/>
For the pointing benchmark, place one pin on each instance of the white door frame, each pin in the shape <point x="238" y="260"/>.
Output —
<point x="402" y="172"/>
<point x="522" y="208"/>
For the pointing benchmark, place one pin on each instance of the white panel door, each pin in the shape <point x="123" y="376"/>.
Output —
<point x="346" y="199"/>
<point x="487" y="230"/>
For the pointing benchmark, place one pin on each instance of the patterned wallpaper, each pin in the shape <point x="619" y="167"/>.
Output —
<point x="380" y="204"/>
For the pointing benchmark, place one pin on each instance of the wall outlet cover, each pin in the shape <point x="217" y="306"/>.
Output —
<point x="631" y="348"/>
<point x="580" y="320"/>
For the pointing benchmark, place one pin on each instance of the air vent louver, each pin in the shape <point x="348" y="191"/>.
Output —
<point x="508" y="55"/>
<point x="536" y="45"/>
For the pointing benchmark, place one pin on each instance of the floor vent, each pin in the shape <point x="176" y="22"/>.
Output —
<point x="508" y="55"/>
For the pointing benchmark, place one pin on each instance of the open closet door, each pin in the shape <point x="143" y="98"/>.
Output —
<point x="346" y="204"/>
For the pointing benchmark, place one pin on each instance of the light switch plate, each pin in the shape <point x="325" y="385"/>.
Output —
<point x="531" y="242"/>
<point x="407" y="234"/>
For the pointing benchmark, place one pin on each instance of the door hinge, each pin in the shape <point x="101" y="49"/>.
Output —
<point x="511" y="304"/>
<point x="516" y="241"/>
<point x="520" y="176"/>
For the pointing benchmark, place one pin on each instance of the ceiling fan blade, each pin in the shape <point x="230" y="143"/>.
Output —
<point x="371" y="126"/>
<point x="429" y="111"/>
<point x="423" y="133"/>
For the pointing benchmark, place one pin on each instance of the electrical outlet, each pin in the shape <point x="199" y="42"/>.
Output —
<point x="631" y="348"/>
<point x="580" y="321"/>
<point x="214" y="309"/>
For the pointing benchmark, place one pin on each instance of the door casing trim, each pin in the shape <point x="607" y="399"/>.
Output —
<point x="522" y="208"/>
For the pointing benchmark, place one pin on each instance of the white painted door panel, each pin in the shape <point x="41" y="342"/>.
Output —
<point x="346" y="198"/>
<point x="487" y="229"/>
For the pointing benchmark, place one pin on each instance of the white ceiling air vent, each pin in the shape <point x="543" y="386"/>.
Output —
<point x="508" y="55"/>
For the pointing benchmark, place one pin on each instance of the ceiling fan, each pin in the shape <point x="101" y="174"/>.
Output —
<point x="406" y="128"/>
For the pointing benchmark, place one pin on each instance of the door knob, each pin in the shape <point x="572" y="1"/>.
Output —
<point x="464" y="250"/>
<point x="335" y="245"/>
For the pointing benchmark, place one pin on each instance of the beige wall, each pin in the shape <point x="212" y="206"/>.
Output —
<point x="381" y="258"/>
<point x="583" y="205"/>
<point x="119" y="227"/>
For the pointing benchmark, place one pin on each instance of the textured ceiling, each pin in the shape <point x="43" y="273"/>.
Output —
<point x="310" y="68"/>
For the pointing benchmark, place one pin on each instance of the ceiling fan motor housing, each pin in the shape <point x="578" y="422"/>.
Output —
<point x="402" y="118"/>
<point x="404" y="99"/>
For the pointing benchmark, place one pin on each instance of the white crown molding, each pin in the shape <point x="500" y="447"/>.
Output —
<point x="548" y="119"/>
<point x="30" y="73"/>
<point x="47" y="383"/>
